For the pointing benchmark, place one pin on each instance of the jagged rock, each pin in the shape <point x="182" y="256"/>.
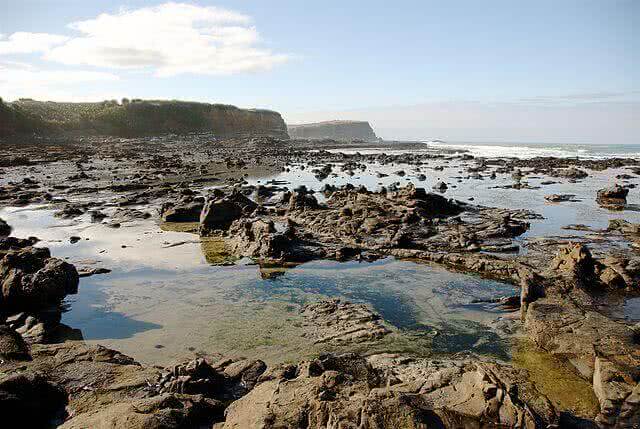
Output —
<point x="70" y="211"/>
<point x="599" y="348"/>
<point x="194" y="377"/>
<point x="221" y="210"/>
<point x="615" y="192"/>
<point x="624" y="227"/>
<point x="184" y="211"/>
<point x="619" y="395"/>
<point x="385" y="391"/>
<point x="246" y="372"/>
<point x="31" y="278"/>
<point x="257" y="238"/>
<point x="301" y="200"/>
<point x="575" y="260"/>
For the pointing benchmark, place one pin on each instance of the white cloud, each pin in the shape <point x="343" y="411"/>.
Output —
<point x="23" y="80"/>
<point x="26" y="43"/>
<point x="170" y="39"/>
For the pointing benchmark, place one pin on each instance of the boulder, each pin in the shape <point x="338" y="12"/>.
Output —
<point x="576" y="261"/>
<point x="182" y="211"/>
<point x="613" y="198"/>
<point x="615" y="191"/>
<point x="12" y="346"/>
<point x="5" y="229"/>
<point x="31" y="278"/>
<point x="257" y="238"/>
<point x="221" y="210"/>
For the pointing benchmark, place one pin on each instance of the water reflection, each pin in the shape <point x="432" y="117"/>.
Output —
<point x="91" y="312"/>
<point x="163" y="299"/>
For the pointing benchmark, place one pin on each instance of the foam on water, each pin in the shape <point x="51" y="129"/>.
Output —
<point x="532" y="150"/>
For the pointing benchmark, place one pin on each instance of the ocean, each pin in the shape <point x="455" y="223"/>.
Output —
<point x="532" y="150"/>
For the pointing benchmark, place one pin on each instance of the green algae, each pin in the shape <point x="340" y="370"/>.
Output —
<point x="191" y="227"/>
<point x="566" y="390"/>
<point x="215" y="251"/>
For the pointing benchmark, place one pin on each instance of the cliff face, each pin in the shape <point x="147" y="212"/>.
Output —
<point x="337" y="130"/>
<point x="138" y="118"/>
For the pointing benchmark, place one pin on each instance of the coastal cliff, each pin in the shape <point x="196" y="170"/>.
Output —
<point x="337" y="130"/>
<point x="137" y="118"/>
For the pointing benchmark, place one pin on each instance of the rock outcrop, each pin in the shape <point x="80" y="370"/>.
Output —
<point x="336" y="130"/>
<point x="564" y="320"/>
<point x="336" y="322"/>
<point x="613" y="198"/>
<point x="388" y="391"/>
<point x="31" y="278"/>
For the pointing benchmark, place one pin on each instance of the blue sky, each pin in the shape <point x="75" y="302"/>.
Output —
<point x="459" y="70"/>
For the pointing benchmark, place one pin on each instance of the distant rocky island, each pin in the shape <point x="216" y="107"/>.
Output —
<point x="136" y="118"/>
<point x="336" y="130"/>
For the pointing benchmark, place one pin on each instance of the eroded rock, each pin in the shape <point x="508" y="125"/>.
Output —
<point x="31" y="278"/>
<point x="388" y="391"/>
<point x="337" y="322"/>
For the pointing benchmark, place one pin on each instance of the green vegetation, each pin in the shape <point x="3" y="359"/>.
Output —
<point x="132" y="118"/>
<point x="13" y="120"/>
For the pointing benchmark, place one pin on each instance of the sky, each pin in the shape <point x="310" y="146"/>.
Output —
<point x="556" y="71"/>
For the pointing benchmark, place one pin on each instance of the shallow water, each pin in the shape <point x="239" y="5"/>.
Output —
<point x="487" y="192"/>
<point x="163" y="300"/>
<point x="162" y="303"/>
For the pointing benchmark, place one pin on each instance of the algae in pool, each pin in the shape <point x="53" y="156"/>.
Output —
<point x="233" y="310"/>
<point x="191" y="227"/>
<point x="555" y="379"/>
<point x="163" y="291"/>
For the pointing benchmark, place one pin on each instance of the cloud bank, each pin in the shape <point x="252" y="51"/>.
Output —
<point x="170" y="39"/>
<point x="167" y="40"/>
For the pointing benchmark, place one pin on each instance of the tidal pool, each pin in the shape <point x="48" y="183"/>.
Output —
<point x="163" y="301"/>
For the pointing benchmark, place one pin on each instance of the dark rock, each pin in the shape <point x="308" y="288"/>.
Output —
<point x="31" y="278"/>
<point x="12" y="346"/>
<point x="30" y="401"/>
<point x="301" y="199"/>
<point x="613" y="192"/>
<point x="184" y="211"/>
<point x="5" y="229"/>
<point x="221" y="210"/>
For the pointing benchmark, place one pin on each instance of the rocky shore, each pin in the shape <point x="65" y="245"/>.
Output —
<point x="199" y="183"/>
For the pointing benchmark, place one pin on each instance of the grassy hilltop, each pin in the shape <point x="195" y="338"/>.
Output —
<point x="135" y="118"/>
